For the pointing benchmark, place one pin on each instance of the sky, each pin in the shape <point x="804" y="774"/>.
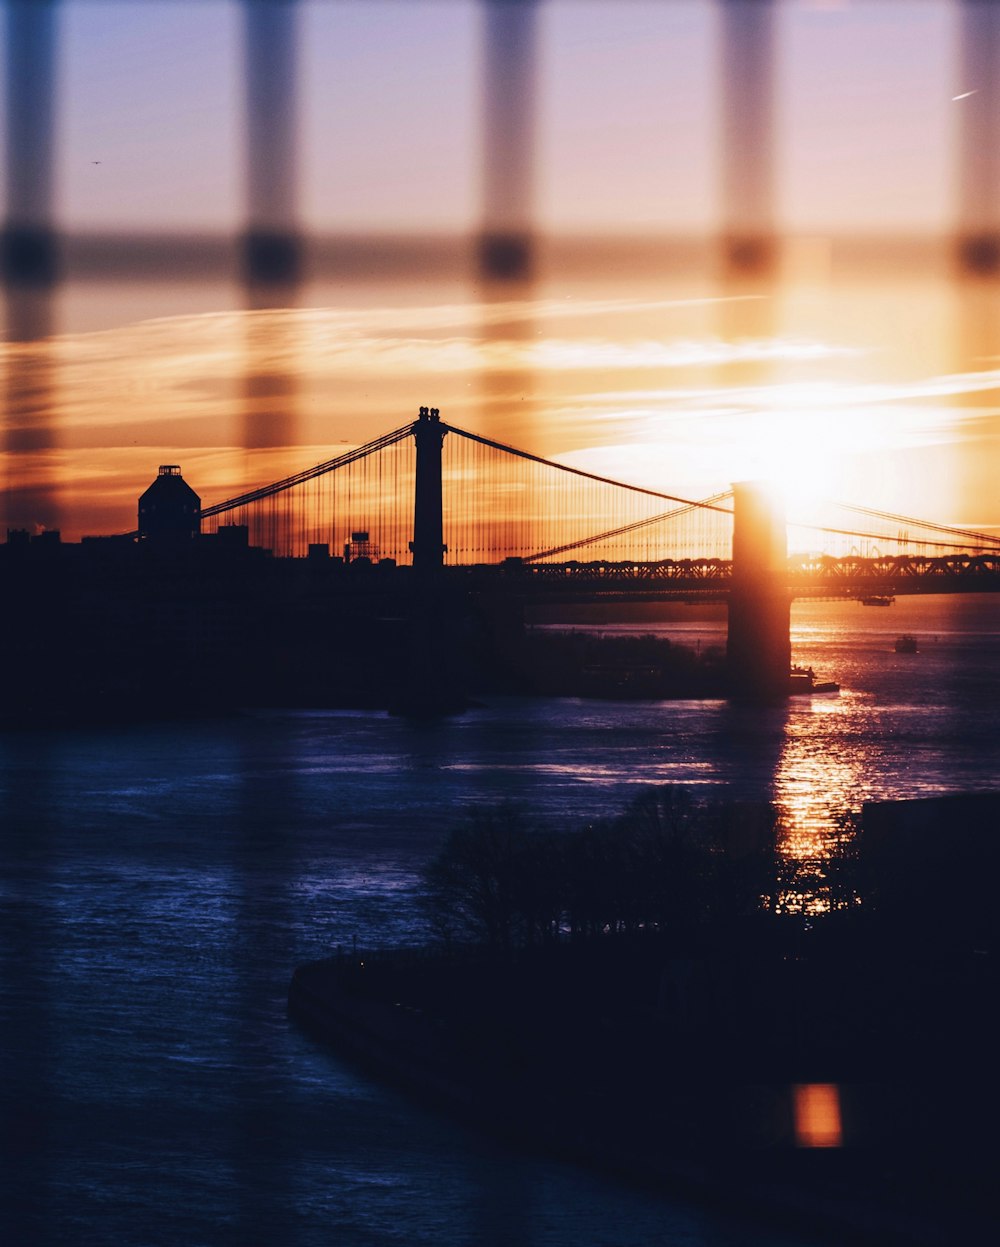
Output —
<point x="881" y="386"/>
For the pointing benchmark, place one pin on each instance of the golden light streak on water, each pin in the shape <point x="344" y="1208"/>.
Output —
<point x="815" y="793"/>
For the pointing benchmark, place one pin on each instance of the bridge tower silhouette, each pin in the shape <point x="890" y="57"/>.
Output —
<point x="431" y="683"/>
<point x="758" y="647"/>
<point x="428" y="546"/>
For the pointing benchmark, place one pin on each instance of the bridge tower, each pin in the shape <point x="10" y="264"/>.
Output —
<point x="428" y="533"/>
<point x="759" y="648"/>
<point x="431" y="683"/>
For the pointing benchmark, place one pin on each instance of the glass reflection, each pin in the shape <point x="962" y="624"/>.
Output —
<point x="817" y="1115"/>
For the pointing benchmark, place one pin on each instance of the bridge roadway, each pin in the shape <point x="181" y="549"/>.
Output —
<point x="666" y="579"/>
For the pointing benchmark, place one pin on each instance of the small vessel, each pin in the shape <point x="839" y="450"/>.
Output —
<point x="803" y="680"/>
<point x="877" y="599"/>
<point x="906" y="644"/>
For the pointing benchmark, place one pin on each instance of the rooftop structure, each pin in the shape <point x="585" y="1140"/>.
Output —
<point x="169" y="510"/>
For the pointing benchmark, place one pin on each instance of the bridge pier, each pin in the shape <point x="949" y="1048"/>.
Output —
<point x="759" y="650"/>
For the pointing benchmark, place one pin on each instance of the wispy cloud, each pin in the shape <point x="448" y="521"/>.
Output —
<point x="181" y="388"/>
<point x="194" y="368"/>
<point x="808" y="395"/>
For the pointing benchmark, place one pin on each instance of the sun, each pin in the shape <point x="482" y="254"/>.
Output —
<point x="806" y="444"/>
<point x="797" y="457"/>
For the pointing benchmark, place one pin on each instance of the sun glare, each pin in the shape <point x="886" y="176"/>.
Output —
<point x="813" y="440"/>
<point x="795" y="455"/>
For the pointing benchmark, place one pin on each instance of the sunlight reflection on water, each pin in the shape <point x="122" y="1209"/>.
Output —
<point x="902" y="726"/>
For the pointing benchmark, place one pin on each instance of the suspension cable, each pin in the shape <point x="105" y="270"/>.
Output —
<point x="848" y="532"/>
<point x="636" y="524"/>
<point x="928" y="524"/>
<point x="319" y="469"/>
<point x="590" y="476"/>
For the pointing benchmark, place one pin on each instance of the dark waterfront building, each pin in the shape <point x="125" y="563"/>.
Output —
<point x="172" y="622"/>
<point x="169" y="510"/>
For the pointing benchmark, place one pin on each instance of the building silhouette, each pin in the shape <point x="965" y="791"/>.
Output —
<point x="169" y="510"/>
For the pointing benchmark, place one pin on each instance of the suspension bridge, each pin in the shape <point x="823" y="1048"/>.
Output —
<point x="450" y="504"/>
<point x="432" y="494"/>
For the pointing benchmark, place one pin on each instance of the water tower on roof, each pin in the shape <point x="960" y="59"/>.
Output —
<point x="169" y="510"/>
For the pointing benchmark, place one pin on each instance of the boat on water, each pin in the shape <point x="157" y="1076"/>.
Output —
<point x="802" y="680"/>
<point x="906" y="644"/>
<point x="877" y="599"/>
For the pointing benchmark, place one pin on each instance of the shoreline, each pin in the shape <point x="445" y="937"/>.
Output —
<point x="699" y="1133"/>
<point x="835" y="1070"/>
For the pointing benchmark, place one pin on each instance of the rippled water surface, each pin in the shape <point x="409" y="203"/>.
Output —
<point x="159" y="883"/>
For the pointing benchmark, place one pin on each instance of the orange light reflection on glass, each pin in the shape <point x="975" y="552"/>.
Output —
<point x="817" y="1115"/>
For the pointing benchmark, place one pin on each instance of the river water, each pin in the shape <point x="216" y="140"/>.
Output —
<point x="158" y="884"/>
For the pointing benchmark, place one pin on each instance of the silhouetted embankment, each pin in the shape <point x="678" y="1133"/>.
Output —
<point x="576" y="663"/>
<point x="837" y="1068"/>
<point x="114" y="630"/>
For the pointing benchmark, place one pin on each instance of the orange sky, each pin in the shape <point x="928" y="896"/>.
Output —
<point x="858" y="395"/>
<point x="879" y="388"/>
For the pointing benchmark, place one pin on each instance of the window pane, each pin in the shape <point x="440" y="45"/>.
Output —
<point x="151" y="92"/>
<point x="390" y="115"/>
<point x="628" y="116"/>
<point x="866" y="115"/>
